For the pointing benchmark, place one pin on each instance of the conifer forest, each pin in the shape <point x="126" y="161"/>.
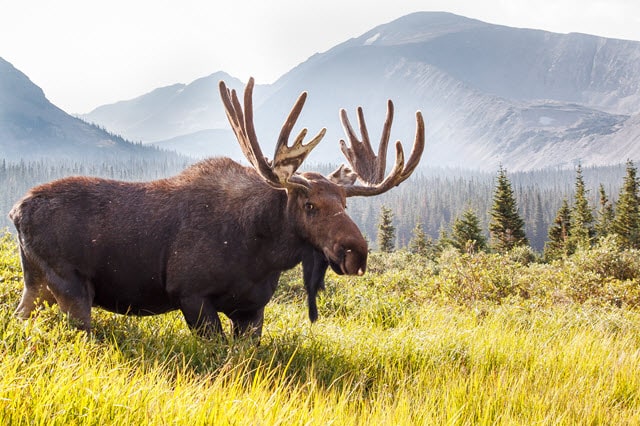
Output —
<point x="433" y="199"/>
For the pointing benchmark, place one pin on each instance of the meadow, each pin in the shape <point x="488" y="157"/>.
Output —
<point x="457" y="340"/>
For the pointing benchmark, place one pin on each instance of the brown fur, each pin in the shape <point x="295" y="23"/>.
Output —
<point x="212" y="239"/>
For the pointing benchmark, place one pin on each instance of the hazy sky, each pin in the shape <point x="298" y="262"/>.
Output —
<point x="87" y="53"/>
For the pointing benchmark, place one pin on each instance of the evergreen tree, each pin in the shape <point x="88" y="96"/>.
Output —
<point x="539" y="225"/>
<point x="627" y="214"/>
<point x="557" y="245"/>
<point x="386" y="231"/>
<point x="466" y="234"/>
<point x="605" y="215"/>
<point x="419" y="243"/>
<point x="506" y="227"/>
<point x="582" y="231"/>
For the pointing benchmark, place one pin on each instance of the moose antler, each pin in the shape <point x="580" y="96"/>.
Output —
<point x="371" y="168"/>
<point x="286" y="160"/>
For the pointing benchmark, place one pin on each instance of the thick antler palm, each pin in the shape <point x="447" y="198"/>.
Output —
<point x="287" y="159"/>
<point x="371" y="168"/>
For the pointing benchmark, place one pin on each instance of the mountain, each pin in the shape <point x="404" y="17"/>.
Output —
<point x="169" y="111"/>
<point x="490" y="94"/>
<point x="31" y="127"/>
<point x="204" y="143"/>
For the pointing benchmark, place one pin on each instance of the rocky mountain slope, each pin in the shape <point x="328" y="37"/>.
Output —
<point x="490" y="94"/>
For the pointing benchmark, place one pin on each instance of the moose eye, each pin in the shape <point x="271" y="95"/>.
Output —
<point x="309" y="206"/>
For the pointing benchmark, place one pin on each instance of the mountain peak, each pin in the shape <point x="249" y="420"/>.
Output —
<point x="32" y="127"/>
<point x="418" y="27"/>
<point x="15" y="86"/>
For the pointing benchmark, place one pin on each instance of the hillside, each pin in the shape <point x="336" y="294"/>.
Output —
<point x="491" y="94"/>
<point x="31" y="127"/>
<point x="168" y="112"/>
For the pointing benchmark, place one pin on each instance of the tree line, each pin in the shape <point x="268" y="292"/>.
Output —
<point x="578" y="224"/>
<point x="438" y="201"/>
<point x="17" y="177"/>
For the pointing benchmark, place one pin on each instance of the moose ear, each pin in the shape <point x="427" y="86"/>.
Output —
<point x="343" y="175"/>
<point x="297" y="184"/>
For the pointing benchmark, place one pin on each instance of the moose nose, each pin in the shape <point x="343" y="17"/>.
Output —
<point x="351" y="262"/>
<point x="354" y="261"/>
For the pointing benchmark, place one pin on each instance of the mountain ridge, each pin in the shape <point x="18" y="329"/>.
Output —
<point x="490" y="94"/>
<point x="31" y="127"/>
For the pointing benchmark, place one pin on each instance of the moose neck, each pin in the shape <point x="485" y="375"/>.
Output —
<point x="275" y="228"/>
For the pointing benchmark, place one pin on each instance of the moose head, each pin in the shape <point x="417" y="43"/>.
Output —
<point x="318" y="203"/>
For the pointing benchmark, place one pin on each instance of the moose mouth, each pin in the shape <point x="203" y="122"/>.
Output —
<point x="347" y="262"/>
<point x="336" y="267"/>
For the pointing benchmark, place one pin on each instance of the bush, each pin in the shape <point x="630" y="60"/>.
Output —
<point x="10" y="269"/>
<point x="467" y="279"/>
<point x="523" y="255"/>
<point x="609" y="259"/>
<point x="605" y="274"/>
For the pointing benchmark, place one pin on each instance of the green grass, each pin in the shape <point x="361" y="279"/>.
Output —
<point x="470" y="340"/>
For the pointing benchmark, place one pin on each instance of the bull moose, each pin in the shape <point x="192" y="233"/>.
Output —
<point x="212" y="239"/>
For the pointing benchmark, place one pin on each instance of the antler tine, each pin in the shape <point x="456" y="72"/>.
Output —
<point x="248" y="120"/>
<point x="418" y="147"/>
<point x="384" y="142"/>
<point x="232" y="115"/>
<point x="285" y="132"/>
<point x="369" y="167"/>
<point x="400" y="171"/>
<point x="287" y="159"/>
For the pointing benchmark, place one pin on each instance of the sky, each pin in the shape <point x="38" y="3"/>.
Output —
<point x="86" y="53"/>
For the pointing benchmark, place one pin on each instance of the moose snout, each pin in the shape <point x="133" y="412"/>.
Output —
<point x="355" y="263"/>
<point x="349" y="258"/>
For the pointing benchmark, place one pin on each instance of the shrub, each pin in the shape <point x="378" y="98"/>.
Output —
<point x="609" y="259"/>
<point x="467" y="278"/>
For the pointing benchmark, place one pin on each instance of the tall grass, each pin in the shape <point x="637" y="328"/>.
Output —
<point x="397" y="346"/>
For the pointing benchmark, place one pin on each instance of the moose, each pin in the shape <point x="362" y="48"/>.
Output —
<point x="212" y="239"/>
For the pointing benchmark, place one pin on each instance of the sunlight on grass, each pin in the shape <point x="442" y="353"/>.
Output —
<point x="389" y="348"/>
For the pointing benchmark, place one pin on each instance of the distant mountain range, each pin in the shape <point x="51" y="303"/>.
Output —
<point x="31" y="127"/>
<point x="526" y="99"/>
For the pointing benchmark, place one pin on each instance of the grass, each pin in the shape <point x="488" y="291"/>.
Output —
<point x="398" y="346"/>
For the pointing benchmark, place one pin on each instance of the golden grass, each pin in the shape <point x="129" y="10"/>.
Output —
<point x="389" y="357"/>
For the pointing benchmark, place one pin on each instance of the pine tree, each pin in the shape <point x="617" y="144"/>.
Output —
<point x="582" y="231"/>
<point x="419" y="243"/>
<point x="466" y="234"/>
<point x="539" y="227"/>
<point x="557" y="244"/>
<point x="605" y="215"/>
<point x="506" y="227"/>
<point x="386" y="231"/>
<point x="627" y="214"/>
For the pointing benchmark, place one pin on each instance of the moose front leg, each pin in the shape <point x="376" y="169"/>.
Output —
<point x="201" y="316"/>
<point x="247" y="323"/>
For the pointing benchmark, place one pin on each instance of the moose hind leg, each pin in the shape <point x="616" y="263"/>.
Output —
<point x="35" y="292"/>
<point x="74" y="295"/>
<point x="201" y="316"/>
